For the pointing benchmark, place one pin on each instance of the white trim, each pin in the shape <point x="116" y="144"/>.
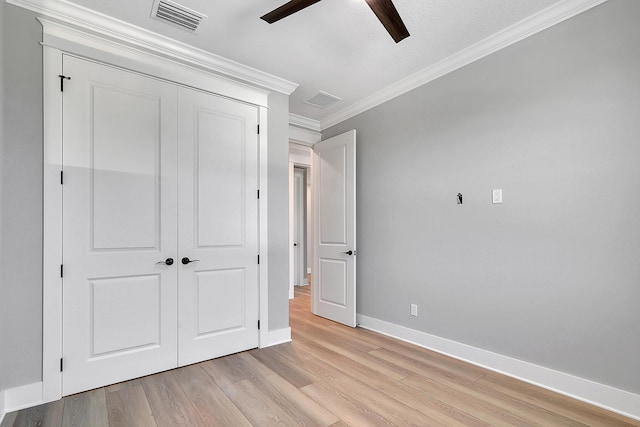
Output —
<point x="304" y="136"/>
<point x="303" y="130"/>
<point x="300" y="154"/>
<point x="52" y="231"/>
<point x="19" y="398"/>
<point x="2" y="411"/>
<point x="304" y="122"/>
<point x="263" y="206"/>
<point x="99" y="48"/>
<point x="527" y="27"/>
<point x="279" y="336"/>
<point x="607" y="397"/>
<point x="154" y="43"/>
<point x="291" y="231"/>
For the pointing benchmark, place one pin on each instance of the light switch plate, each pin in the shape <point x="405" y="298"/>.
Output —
<point x="497" y="195"/>
<point x="414" y="309"/>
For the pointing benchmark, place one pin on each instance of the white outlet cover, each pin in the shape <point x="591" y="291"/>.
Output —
<point x="414" y="309"/>
<point x="497" y="195"/>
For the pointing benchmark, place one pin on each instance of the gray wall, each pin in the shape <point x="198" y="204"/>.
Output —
<point x="21" y="154"/>
<point x="21" y="311"/>
<point x="278" y="211"/>
<point x="2" y="27"/>
<point x="552" y="276"/>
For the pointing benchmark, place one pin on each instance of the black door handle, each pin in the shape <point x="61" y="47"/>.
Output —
<point x="186" y="260"/>
<point x="349" y="252"/>
<point x="168" y="261"/>
<point x="295" y="244"/>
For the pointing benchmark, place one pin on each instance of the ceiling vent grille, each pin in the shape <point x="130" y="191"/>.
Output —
<point x="322" y="100"/>
<point x="177" y="14"/>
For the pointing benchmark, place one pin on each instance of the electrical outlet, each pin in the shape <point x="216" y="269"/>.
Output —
<point x="414" y="310"/>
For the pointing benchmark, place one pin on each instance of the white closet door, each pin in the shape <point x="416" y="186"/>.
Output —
<point x="217" y="226"/>
<point x="119" y="197"/>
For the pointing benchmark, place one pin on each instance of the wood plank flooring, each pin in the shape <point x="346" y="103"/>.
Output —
<point x="330" y="375"/>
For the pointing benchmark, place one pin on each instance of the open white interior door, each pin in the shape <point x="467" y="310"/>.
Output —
<point x="334" y="260"/>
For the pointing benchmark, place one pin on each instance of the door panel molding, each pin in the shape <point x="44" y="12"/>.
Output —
<point x="218" y="180"/>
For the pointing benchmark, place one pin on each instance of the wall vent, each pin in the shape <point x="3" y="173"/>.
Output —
<point x="177" y="14"/>
<point x="322" y="100"/>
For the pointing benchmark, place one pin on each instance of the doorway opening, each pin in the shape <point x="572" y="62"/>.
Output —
<point x="301" y="226"/>
<point x="333" y="236"/>
<point x="300" y="203"/>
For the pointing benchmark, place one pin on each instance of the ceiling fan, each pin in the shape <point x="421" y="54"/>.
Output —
<point x="384" y="10"/>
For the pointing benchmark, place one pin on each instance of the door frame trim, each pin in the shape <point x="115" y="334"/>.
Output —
<point x="60" y="39"/>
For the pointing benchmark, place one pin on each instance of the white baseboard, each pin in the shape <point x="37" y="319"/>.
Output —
<point x="603" y="396"/>
<point x="21" y="397"/>
<point x="2" y="411"/>
<point x="279" y="336"/>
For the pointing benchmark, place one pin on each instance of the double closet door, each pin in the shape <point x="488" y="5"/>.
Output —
<point x="160" y="226"/>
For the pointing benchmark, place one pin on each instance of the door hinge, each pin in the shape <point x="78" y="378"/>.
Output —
<point x="61" y="364"/>
<point x="258" y="324"/>
<point x="61" y="270"/>
<point x="61" y="177"/>
<point x="258" y="194"/>
<point x="258" y="258"/>
<point x="62" y="79"/>
<point x="258" y="129"/>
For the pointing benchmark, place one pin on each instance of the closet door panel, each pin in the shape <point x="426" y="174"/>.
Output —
<point x="217" y="226"/>
<point x="119" y="222"/>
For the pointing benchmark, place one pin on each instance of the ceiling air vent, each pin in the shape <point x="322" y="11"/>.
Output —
<point x="322" y="100"/>
<point x="177" y="14"/>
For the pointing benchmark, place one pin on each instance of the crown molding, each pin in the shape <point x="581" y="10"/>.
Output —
<point x="527" y="27"/>
<point x="304" y="122"/>
<point x="76" y="41"/>
<point x="303" y="130"/>
<point x="151" y="42"/>
<point x="303" y="136"/>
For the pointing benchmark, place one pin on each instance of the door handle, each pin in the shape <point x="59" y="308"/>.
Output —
<point x="186" y="260"/>
<point x="349" y="252"/>
<point x="168" y="261"/>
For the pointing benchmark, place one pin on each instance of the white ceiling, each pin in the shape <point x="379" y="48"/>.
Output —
<point x="335" y="46"/>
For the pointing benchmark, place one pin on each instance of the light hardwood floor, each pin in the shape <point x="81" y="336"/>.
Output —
<point x="328" y="375"/>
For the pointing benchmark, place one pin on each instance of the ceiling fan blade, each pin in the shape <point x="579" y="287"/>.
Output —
<point x="390" y="18"/>
<point x="287" y="9"/>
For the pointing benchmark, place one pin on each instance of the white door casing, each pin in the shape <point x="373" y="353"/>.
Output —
<point x="134" y="198"/>
<point x="119" y="221"/>
<point x="218" y="226"/>
<point x="334" y="187"/>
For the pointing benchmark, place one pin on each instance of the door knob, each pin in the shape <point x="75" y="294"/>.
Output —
<point x="349" y="252"/>
<point x="295" y="244"/>
<point x="168" y="261"/>
<point x="186" y="260"/>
